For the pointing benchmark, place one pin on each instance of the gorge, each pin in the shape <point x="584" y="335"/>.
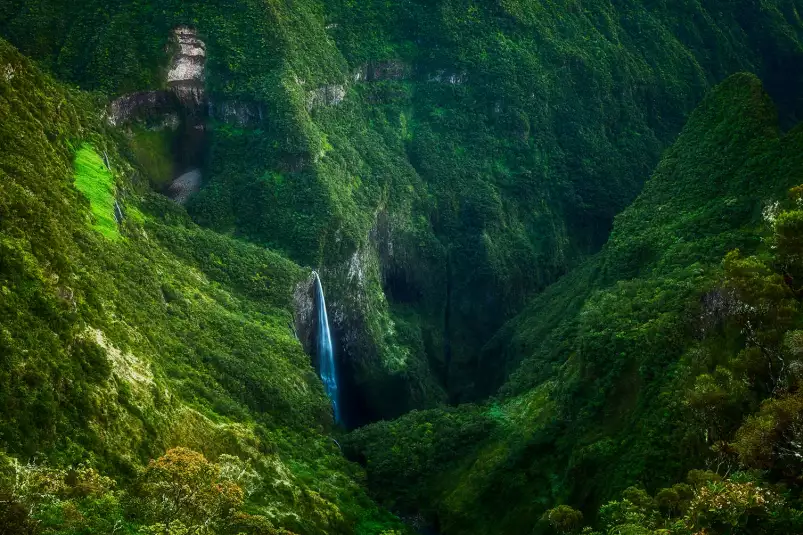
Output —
<point x="560" y="243"/>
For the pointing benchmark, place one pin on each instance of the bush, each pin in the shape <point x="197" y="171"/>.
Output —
<point x="184" y="491"/>
<point x="564" y="519"/>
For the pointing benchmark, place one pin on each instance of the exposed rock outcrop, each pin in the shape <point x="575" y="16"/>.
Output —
<point x="383" y="352"/>
<point x="447" y="77"/>
<point x="397" y="70"/>
<point x="376" y="71"/>
<point x="182" y="188"/>
<point x="182" y="108"/>
<point x="304" y="313"/>
<point x="185" y="76"/>
<point x="244" y="114"/>
<point x="157" y="108"/>
<point x="185" y="79"/>
<point x="327" y="95"/>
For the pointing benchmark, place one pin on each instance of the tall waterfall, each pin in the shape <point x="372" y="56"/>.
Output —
<point x="326" y="353"/>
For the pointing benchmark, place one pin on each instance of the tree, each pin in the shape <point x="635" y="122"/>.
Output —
<point x="183" y="486"/>
<point x="564" y="519"/>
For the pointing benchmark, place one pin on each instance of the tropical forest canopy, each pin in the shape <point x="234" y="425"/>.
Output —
<point x="561" y="244"/>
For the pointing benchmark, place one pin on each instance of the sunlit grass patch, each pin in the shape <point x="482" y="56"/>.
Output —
<point x="97" y="183"/>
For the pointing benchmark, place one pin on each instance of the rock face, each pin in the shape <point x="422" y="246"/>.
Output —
<point x="185" y="79"/>
<point x="244" y="114"/>
<point x="182" y="188"/>
<point x="447" y="77"/>
<point x="146" y="106"/>
<point x="304" y="313"/>
<point x="328" y="95"/>
<point x="182" y="109"/>
<point x="187" y="65"/>
<point x="381" y="352"/>
<point x="377" y="71"/>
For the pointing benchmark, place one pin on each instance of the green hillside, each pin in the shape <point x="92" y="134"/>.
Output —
<point x="117" y="350"/>
<point x="475" y="153"/>
<point x="558" y="241"/>
<point x="646" y="361"/>
<point x="96" y="182"/>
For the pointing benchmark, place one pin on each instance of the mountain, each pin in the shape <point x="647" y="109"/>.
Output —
<point x="121" y="342"/>
<point x="525" y="323"/>
<point x="643" y="362"/>
<point x="439" y="163"/>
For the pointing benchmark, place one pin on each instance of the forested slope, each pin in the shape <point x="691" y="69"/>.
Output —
<point x="470" y="180"/>
<point x="438" y="162"/>
<point x="674" y="348"/>
<point x="122" y="341"/>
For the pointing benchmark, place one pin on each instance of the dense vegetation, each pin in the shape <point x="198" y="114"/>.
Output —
<point x="673" y="348"/>
<point x="470" y="180"/>
<point x="121" y="342"/>
<point x="438" y="162"/>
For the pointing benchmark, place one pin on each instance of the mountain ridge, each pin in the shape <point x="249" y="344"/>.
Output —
<point x="536" y="342"/>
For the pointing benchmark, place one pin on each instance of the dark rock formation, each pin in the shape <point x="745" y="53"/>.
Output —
<point x="243" y="114"/>
<point x="304" y="313"/>
<point x="328" y="95"/>
<point x="448" y="77"/>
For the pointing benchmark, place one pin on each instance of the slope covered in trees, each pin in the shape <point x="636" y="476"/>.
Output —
<point x="467" y="179"/>
<point x="120" y="344"/>
<point x="674" y="348"/>
<point x="439" y="162"/>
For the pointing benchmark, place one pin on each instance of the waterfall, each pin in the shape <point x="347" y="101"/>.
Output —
<point x="326" y="353"/>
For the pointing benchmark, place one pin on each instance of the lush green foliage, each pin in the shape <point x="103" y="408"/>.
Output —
<point x="96" y="182"/>
<point x="151" y="150"/>
<point x="648" y="360"/>
<point x="740" y="504"/>
<point x="480" y="149"/>
<point x="180" y="493"/>
<point x="533" y="124"/>
<point x="114" y="351"/>
<point x="440" y="163"/>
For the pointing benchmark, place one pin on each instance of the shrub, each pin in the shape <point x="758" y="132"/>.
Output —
<point x="183" y="486"/>
<point x="564" y="519"/>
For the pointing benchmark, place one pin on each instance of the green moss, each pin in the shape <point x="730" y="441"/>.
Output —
<point x="96" y="182"/>
<point x="152" y="152"/>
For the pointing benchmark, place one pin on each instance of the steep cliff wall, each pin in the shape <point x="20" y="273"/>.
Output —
<point x="665" y="352"/>
<point x="498" y="139"/>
